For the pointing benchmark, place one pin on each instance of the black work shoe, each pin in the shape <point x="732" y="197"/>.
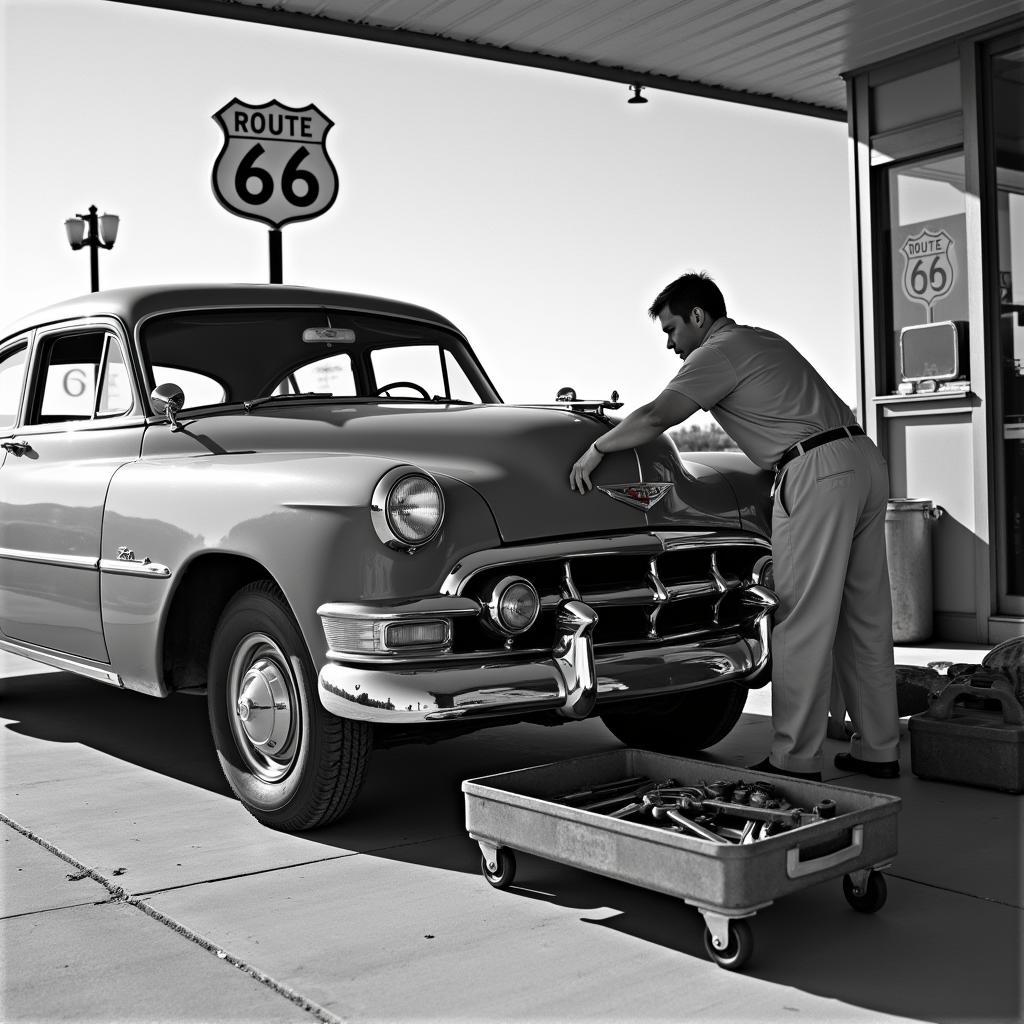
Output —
<point x="767" y="766"/>
<point x="876" y="769"/>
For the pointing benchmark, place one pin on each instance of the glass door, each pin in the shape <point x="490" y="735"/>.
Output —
<point x="1007" y="120"/>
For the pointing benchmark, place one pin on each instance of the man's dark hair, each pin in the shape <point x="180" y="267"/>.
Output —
<point x="686" y="292"/>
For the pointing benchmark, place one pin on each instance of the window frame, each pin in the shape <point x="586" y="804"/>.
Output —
<point x="43" y="340"/>
<point x="21" y="342"/>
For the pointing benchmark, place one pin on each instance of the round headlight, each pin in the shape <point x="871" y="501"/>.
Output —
<point x="513" y="605"/>
<point x="407" y="508"/>
<point x="764" y="572"/>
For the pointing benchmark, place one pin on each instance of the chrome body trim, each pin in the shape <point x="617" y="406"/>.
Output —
<point x="122" y="566"/>
<point x="126" y="567"/>
<point x="48" y="558"/>
<point x="61" y="661"/>
<point x="417" y="608"/>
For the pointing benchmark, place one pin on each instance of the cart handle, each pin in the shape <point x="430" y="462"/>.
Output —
<point x="797" y="868"/>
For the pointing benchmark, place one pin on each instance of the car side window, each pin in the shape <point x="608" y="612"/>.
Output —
<point x="459" y="384"/>
<point x="115" y="390"/>
<point x="82" y="375"/>
<point x="12" y="377"/>
<point x="430" y="367"/>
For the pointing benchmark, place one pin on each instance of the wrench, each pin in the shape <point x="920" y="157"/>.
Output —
<point x="681" y="819"/>
<point x="608" y="789"/>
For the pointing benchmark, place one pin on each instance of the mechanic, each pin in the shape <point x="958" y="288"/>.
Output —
<point x="828" y="522"/>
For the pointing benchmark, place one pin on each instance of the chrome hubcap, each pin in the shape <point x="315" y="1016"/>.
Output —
<point x="263" y="706"/>
<point x="263" y="698"/>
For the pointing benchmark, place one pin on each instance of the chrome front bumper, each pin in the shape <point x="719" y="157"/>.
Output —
<point x="573" y="679"/>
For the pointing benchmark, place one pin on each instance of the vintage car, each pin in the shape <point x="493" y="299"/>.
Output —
<point x="314" y="508"/>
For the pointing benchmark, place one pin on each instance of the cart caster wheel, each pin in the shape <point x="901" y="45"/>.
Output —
<point x="738" y="950"/>
<point x="871" y="898"/>
<point x="505" y="871"/>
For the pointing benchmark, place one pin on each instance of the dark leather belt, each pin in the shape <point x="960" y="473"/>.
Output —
<point x="815" y="440"/>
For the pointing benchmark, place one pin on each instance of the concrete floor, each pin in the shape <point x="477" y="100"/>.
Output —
<point x="134" y="888"/>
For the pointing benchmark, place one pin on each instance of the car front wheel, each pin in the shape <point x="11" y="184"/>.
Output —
<point x="292" y="765"/>
<point x="678" y="725"/>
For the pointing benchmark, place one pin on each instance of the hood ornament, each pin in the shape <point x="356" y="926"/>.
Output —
<point x="639" y="495"/>
<point x="567" y="396"/>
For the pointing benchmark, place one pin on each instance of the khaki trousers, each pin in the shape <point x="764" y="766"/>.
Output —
<point x="834" y="620"/>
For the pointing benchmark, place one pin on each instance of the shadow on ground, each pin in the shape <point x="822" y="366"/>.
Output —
<point x="938" y="950"/>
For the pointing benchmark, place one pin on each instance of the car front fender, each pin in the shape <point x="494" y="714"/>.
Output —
<point x="301" y="520"/>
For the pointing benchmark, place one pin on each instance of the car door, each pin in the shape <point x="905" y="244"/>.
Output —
<point x="80" y="421"/>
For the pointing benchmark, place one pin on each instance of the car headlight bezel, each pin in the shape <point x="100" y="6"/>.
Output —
<point x="496" y="614"/>
<point x="386" y="508"/>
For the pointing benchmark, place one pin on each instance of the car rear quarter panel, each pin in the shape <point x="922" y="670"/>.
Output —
<point x="303" y="518"/>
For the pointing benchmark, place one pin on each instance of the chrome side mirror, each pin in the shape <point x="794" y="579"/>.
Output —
<point x="167" y="400"/>
<point x="566" y="395"/>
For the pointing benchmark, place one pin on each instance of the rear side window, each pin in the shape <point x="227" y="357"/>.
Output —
<point x="12" y="377"/>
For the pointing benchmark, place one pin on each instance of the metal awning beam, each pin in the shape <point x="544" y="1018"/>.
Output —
<point x="485" y="51"/>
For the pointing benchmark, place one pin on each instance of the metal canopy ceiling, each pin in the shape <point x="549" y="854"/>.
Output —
<point x="783" y="54"/>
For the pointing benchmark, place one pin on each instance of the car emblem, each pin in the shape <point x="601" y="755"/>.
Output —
<point x="639" y="495"/>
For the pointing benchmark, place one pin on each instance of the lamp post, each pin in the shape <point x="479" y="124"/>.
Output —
<point x="102" y="235"/>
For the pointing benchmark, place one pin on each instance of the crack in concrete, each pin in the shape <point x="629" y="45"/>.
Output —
<point x="299" y="864"/>
<point x="119" y="895"/>
<point x="246" y="874"/>
<point x="954" y="892"/>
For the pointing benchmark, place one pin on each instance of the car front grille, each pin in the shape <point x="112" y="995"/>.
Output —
<point x="642" y="597"/>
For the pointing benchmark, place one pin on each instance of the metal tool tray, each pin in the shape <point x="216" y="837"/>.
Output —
<point x="516" y="811"/>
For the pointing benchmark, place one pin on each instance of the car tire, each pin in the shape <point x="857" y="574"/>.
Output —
<point x="679" y="725"/>
<point x="292" y="764"/>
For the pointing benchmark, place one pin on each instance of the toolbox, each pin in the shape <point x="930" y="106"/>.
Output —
<point x="973" y="733"/>
<point x="727" y="882"/>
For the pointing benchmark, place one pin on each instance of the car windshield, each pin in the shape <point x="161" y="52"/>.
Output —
<point x="257" y="355"/>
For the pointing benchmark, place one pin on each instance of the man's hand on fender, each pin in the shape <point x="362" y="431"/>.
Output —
<point x="579" y="478"/>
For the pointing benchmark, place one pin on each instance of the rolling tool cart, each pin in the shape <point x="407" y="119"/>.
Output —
<point x="690" y="829"/>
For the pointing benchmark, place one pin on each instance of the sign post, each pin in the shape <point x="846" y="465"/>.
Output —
<point x="274" y="167"/>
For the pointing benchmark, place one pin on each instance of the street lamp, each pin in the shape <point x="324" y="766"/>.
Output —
<point x="102" y="234"/>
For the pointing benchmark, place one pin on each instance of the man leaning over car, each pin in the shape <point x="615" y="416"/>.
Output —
<point x="828" y="522"/>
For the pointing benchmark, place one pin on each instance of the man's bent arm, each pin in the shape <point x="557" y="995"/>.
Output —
<point x="640" y="426"/>
<point x="648" y="421"/>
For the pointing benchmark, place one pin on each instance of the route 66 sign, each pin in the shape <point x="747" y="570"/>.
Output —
<point x="930" y="270"/>
<point x="274" y="165"/>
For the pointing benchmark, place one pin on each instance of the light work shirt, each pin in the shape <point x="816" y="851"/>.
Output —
<point x="764" y="394"/>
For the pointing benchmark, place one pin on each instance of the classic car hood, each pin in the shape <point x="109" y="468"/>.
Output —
<point x="517" y="457"/>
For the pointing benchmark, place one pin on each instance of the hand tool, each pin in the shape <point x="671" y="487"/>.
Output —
<point x="604" y="788"/>
<point x="661" y="811"/>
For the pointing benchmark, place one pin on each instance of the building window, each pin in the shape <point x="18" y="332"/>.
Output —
<point x="927" y="250"/>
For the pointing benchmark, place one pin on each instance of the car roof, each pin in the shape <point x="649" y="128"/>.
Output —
<point x="133" y="304"/>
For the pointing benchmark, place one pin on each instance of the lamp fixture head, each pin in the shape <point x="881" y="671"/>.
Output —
<point x="636" y="97"/>
<point x="108" y="229"/>
<point x="75" y="229"/>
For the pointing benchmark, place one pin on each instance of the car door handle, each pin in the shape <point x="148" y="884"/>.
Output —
<point x="16" y="447"/>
